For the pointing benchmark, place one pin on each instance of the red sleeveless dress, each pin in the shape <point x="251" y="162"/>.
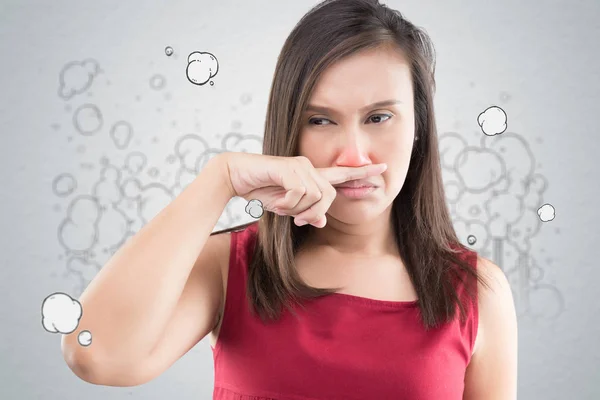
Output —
<point x="342" y="347"/>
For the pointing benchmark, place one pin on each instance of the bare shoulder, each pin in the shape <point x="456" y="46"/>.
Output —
<point x="492" y="372"/>
<point x="495" y="299"/>
<point x="496" y="279"/>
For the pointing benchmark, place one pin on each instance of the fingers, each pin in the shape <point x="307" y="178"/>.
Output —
<point x="315" y="214"/>
<point x="302" y="191"/>
<point x="336" y="175"/>
<point x="309" y="192"/>
<point x="295" y="188"/>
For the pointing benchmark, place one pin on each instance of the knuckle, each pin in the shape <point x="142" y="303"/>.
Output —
<point x="331" y="192"/>
<point x="300" y="190"/>
<point x="310" y="215"/>
<point x="314" y="219"/>
<point x="304" y="160"/>
<point x="314" y="195"/>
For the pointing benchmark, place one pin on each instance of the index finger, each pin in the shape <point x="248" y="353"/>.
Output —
<point x="337" y="175"/>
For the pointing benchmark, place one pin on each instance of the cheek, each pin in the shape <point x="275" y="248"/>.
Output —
<point x="396" y="150"/>
<point x="312" y="148"/>
<point x="396" y="154"/>
<point x="304" y="144"/>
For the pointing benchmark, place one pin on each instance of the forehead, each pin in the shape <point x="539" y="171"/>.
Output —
<point x="369" y="75"/>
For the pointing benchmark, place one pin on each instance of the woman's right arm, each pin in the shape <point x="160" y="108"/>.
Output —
<point x="160" y="293"/>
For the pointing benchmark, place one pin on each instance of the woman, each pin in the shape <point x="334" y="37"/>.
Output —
<point x="353" y="284"/>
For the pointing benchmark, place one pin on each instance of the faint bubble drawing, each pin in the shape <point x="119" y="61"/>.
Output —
<point x="183" y="177"/>
<point x="157" y="82"/>
<point x="201" y="68"/>
<point x="153" y="172"/>
<point x="77" y="232"/>
<point x="246" y="98"/>
<point x="121" y="134"/>
<point x="188" y="148"/>
<point x="63" y="185"/>
<point x="205" y="157"/>
<point x="87" y="166"/>
<point x="505" y="97"/>
<point x="151" y="198"/>
<point x="120" y="203"/>
<point x="469" y="164"/>
<point x="494" y="195"/>
<point x="237" y="142"/>
<point x="87" y="119"/>
<point x="83" y="271"/>
<point x="76" y="77"/>
<point x="114" y="226"/>
<point x="169" y="51"/>
<point x="135" y="162"/>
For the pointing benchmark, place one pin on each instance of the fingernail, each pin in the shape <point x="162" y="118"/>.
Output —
<point x="300" y="222"/>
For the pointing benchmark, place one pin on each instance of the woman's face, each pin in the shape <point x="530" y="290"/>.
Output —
<point x="342" y="127"/>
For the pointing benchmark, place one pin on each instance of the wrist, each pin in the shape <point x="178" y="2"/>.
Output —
<point x="221" y="164"/>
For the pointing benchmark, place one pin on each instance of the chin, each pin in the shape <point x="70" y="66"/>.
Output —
<point x="355" y="214"/>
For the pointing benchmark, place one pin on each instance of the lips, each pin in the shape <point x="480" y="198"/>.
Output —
<point x="356" y="184"/>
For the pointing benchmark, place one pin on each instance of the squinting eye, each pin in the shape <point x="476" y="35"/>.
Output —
<point x="311" y="121"/>
<point x="379" y="116"/>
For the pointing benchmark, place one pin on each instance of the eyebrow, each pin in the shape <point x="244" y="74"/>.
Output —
<point x="316" y="108"/>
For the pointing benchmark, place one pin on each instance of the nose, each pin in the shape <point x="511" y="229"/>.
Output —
<point x="352" y="152"/>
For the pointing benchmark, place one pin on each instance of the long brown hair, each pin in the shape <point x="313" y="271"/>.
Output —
<point x="423" y="228"/>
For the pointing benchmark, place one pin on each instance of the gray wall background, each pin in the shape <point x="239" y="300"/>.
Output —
<point x="90" y="152"/>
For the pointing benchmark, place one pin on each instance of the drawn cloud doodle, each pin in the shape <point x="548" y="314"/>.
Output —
<point x="61" y="314"/>
<point x="201" y="68"/>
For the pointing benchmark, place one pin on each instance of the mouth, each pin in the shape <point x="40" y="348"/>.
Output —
<point x="355" y="185"/>
<point x="356" y="191"/>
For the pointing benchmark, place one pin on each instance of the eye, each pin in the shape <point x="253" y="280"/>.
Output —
<point x="375" y="118"/>
<point x="313" y="121"/>
<point x="379" y="116"/>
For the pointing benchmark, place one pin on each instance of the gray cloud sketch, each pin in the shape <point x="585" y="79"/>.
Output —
<point x="76" y="77"/>
<point x="496" y="197"/>
<point x="495" y="194"/>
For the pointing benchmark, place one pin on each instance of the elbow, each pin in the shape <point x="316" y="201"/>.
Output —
<point x="82" y="361"/>
<point x="90" y="367"/>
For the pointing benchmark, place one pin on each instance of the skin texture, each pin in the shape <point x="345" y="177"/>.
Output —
<point x="355" y="249"/>
<point x="350" y="135"/>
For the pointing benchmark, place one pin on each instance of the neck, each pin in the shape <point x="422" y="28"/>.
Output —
<point x="373" y="238"/>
